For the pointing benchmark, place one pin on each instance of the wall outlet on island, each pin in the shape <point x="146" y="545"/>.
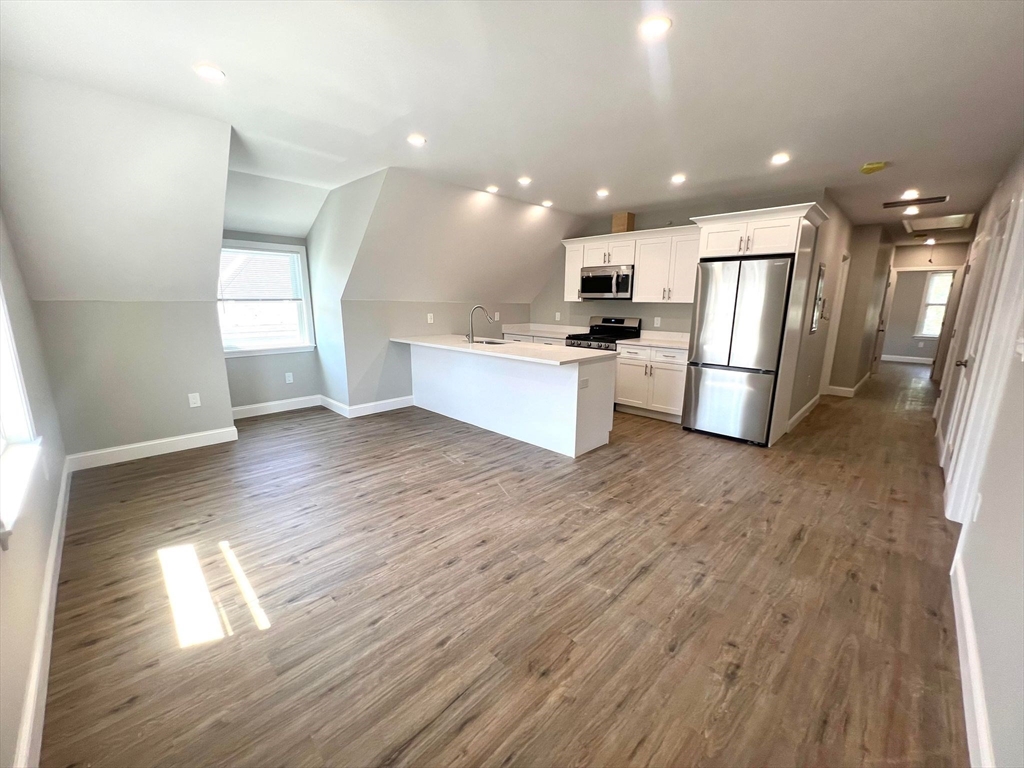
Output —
<point x="193" y="400"/>
<point x="430" y="317"/>
<point x="288" y="378"/>
<point x="657" y="322"/>
<point x="558" y="315"/>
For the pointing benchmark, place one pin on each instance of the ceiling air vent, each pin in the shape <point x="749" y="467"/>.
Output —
<point x="915" y="201"/>
<point x="955" y="221"/>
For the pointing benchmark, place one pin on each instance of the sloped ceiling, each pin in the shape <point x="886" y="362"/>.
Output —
<point x="110" y="199"/>
<point x="429" y="240"/>
<point x="271" y="206"/>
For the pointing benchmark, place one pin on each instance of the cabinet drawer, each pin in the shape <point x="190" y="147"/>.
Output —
<point x="669" y="355"/>
<point x="551" y="342"/>
<point x="517" y="337"/>
<point x="633" y="353"/>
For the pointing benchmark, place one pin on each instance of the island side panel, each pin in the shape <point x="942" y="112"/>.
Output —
<point x="595" y="407"/>
<point x="527" y="401"/>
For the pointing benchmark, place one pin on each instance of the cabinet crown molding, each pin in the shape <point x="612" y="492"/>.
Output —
<point x="636" y="234"/>
<point x="810" y="211"/>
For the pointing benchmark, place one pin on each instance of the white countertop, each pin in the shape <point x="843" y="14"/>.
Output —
<point x="513" y="350"/>
<point x="665" y="339"/>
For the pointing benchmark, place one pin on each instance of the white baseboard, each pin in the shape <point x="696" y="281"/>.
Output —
<point x="30" y="731"/>
<point x="132" y="451"/>
<point x="365" y="409"/>
<point x="802" y="413"/>
<point x="979" y="736"/>
<point x="275" y="406"/>
<point x="847" y="391"/>
<point x="907" y="359"/>
<point x="673" y="418"/>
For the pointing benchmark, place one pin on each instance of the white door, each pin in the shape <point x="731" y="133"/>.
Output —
<point x="725" y="239"/>
<point x="622" y="252"/>
<point x="631" y="382"/>
<point x="683" y="273"/>
<point x="773" y="236"/>
<point x="595" y="254"/>
<point x="667" y="384"/>
<point x="573" y="265"/>
<point x="651" y="274"/>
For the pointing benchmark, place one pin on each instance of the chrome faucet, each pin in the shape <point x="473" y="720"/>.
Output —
<point x="471" y="313"/>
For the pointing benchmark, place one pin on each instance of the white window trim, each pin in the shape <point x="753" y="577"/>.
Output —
<point x="924" y="302"/>
<point x="307" y="296"/>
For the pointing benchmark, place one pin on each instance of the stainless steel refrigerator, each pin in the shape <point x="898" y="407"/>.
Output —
<point x="735" y="342"/>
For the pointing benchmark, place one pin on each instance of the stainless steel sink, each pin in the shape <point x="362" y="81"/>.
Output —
<point x="489" y="341"/>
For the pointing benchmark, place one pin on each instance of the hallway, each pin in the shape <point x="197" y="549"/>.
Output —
<point x="439" y="595"/>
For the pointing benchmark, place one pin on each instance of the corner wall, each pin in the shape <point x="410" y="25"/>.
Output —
<point x="24" y="598"/>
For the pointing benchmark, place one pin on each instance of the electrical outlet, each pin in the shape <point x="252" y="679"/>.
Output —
<point x="288" y="379"/>
<point x="558" y="315"/>
<point x="497" y="316"/>
<point x="193" y="400"/>
<point x="430" y="317"/>
<point x="584" y="383"/>
<point x="920" y="344"/>
<point x="657" y="322"/>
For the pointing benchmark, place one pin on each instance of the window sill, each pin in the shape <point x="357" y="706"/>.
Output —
<point x="270" y="351"/>
<point x="925" y="336"/>
<point x="17" y="465"/>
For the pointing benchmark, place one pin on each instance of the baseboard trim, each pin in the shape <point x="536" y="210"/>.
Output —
<point x="132" y="451"/>
<point x="802" y="413"/>
<point x="907" y="359"/>
<point x="334" y="405"/>
<point x="979" y="735"/>
<point x="379" y="406"/>
<point x="673" y="418"/>
<point x="847" y="391"/>
<point x="275" y="406"/>
<point x="30" y="730"/>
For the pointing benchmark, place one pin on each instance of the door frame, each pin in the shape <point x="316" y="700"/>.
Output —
<point x="833" y="324"/>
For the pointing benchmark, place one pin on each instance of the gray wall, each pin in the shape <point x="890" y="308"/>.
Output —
<point x="870" y="255"/>
<point x="121" y="371"/>
<point x="906" y="302"/>
<point x="22" y="567"/>
<point x="832" y="242"/>
<point x="379" y="369"/>
<point x="260" y="378"/>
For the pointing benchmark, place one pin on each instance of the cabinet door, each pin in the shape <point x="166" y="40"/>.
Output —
<point x="595" y="254"/>
<point x="517" y="337"/>
<point x="683" y="275"/>
<point x="573" y="265"/>
<point x="548" y="341"/>
<point x="773" y="236"/>
<point x="622" y="252"/>
<point x="650" y="277"/>
<point x="726" y="239"/>
<point x="631" y="382"/>
<point x="667" y="385"/>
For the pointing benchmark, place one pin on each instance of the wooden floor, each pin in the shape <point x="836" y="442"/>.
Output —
<point x="442" y="596"/>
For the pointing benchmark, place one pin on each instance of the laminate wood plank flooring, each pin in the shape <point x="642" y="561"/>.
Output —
<point x="438" y="595"/>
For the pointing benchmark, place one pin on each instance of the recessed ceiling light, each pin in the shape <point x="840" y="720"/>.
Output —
<point x="492" y="189"/>
<point x="602" y="192"/>
<point x="930" y="241"/>
<point x="547" y="203"/>
<point x="910" y="194"/>
<point x="210" y="73"/>
<point x="654" y="27"/>
<point x="679" y="178"/>
<point x="416" y="139"/>
<point x="911" y="210"/>
<point x="780" y="158"/>
<point x="524" y="181"/>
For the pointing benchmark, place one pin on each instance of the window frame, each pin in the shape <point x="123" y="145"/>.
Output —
<point x="923" y="309"/>
<point x="29" y="428"/>
<point x="307" y="296"/>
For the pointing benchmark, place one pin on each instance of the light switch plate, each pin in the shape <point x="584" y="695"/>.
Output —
<point x="193" y="400"/>
<point x="497" y="316"/>
<point x="288" y="378"/>
<point x="558" y="315"/>
<point x="584" y="383"/>
<point x="430" y="317"/>
<point x="657" y="322"/>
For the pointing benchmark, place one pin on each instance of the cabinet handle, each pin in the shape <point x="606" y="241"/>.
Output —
<point x="670" y="293"/>
<point x="662" y="294"/>
<point x="579" y="293"/>
<point x="645" y="369"/>
<point x="739" y="248"/>
<point x="748" y="242"/>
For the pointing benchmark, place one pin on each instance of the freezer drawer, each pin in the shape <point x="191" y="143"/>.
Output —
<point x="728" y="402"/>
<point x="760" y="311"/>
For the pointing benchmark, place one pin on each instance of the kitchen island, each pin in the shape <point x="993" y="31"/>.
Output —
<point x="559" y="398"/>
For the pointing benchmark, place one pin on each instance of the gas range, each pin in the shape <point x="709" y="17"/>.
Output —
<point x="605" y="332"/>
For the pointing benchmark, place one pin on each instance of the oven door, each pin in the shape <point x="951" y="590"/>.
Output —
<point x="607" y="282"/>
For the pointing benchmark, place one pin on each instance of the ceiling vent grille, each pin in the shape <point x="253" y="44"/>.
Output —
<point x="916" y="201"/>
<point x="956" y="221"/>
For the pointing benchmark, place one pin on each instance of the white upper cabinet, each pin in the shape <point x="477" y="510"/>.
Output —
<point x="621" y="252"/>
<point x="653" y="269"/>
<point x="595" y="254"/>
<point x="605" y="253"/>
<point x="573" y="265"/>
<point x="723" y="239"/>
<point x="683" y="276"/>
<point x="773" y="236"/>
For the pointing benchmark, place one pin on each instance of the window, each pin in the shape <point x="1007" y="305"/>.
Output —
<point x="263" y="299"/>
<point x="933" y="304"/>
<point x="15" y="417"/>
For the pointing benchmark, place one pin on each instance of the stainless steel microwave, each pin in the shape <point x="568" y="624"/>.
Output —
<point x="607" y="282"/>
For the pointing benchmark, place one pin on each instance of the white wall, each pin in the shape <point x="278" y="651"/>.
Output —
<point x="23" y="566"/>
<point x="261" y="204"/>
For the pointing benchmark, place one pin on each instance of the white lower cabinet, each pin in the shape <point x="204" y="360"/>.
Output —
<point x="549" y="341"/>
<point x="653" y="381"/>
<point x="517" y="337"/>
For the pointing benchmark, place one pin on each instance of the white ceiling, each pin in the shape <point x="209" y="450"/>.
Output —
<point x="324" y="93"/>
<point x="270" y="206"/>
